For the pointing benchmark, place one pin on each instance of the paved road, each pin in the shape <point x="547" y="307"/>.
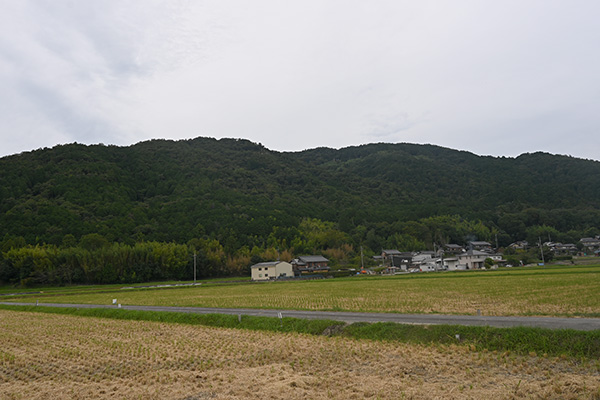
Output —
<point x="582" y="324"/>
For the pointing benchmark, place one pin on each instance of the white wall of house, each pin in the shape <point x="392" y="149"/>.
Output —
<point x="472" y="262"/>
<point x="257" y="274"/>
<point x="456" y="267"/>
<point x="473" y="259"/>
<point x="469" y="261"/>
<point x="451" y="263"/>
<point x="260" y="272"/>
<point x="427" y="268"/>
<point x="284" y="269"/>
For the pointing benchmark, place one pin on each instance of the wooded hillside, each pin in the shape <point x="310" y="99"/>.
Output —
<point x="242" y="200"/>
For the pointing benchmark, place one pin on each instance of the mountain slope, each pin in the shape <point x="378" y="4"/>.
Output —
<point x="240" y="191"/>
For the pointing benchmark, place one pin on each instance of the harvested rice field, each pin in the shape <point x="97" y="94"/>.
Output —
<point x="46" y="356"/>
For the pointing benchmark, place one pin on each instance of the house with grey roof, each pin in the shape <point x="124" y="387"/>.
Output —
<point x="519" y="245"/>
<point x="396" y="259"/>
<point x="471" y="259"/>
<point x="562" y="248"/>
<point x="453" y="248"/>
<point x="481" y="246"/>
<point x="310" y="265"/>
<point x="271" y="270"/>
<point x="425" y="261"/>
<point x="391" y="252"/>
<point x="590" y="243"/>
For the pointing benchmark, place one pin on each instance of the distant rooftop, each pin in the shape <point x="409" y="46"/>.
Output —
<point x="475" y="253"/>
<point x="480" y="243"/>
<point x="266" y="264"/>
<point x="391" y="252"/>
<point x="308" y="259"/>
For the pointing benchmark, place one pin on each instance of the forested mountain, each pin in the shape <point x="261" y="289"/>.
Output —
<point x="240" y="196"/>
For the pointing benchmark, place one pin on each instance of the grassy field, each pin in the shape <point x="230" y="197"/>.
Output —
<point x="48" y="290"/>
<point x="552" y="290"/>
<point x="69" y="357"/>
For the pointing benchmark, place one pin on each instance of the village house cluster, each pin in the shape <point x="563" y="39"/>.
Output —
<point x="452" y="257"/>
<point x="587" y="247"/>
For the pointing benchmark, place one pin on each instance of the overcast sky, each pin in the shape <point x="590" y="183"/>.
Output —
<point x="491" y="77"/>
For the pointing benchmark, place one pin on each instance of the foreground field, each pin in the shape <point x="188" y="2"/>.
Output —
<point x="561" y="290"/>
<point x="56" y="356"/>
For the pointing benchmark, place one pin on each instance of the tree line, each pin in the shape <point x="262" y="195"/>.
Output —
<point x="92" y="259"/>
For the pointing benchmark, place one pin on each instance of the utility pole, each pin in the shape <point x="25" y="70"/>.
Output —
<point x="362" y="261"/>
<point x="194" y="267"/>
<point x="541" y="250"/>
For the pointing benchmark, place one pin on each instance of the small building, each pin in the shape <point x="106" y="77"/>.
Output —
<point x="590" y="244"/>
<point x="310" y="265"/>
<point x="497" y="258"/>
<point x="428" y="267"/>
<point x="422" y="259"/>
<point x="395" y="258"/>
<point x="391" y="270"/>
<point x="481" y="246"/>
<point x="271" y="270"/>
<point x="388" y="253"/>
<point x="453" y="248"/>
<point x="388" y="257"/>
<point x="473" y="259"/>
<point x="562" y="248"/>
<point x="452" y="264"/>
<point x="519" y="245"/>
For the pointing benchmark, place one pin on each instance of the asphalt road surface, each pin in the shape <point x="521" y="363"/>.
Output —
<point x="582" y="324"/>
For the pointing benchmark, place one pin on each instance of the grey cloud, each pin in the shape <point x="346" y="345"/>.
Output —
<point x="497" y="78"/>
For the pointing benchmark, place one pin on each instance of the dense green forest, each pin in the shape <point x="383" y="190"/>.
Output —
<point x="78" y="213"/>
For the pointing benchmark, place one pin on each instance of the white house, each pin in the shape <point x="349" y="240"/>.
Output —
<point x="472" y="259"/>
<point x="271" y="270"/>
<point x="428" y="267"/>
<point x="453" y="264"/>
<point x="425" y="262"/>
<point x="422" y="258"/>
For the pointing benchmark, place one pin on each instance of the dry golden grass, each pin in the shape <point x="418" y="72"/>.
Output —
<point x="45" y="356"/>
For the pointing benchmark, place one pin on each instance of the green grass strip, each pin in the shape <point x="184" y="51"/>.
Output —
<point x="286" y="324"/>
<point x="520" y="340"/>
